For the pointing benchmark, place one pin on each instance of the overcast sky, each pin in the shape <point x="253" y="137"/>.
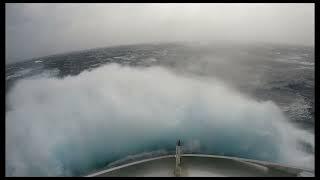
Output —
<point x="34" y="30"/>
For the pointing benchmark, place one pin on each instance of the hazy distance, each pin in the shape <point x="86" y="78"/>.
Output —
<point x="34" y="30"/>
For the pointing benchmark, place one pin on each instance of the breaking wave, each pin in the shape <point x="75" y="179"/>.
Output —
<point x="70" y="126"/>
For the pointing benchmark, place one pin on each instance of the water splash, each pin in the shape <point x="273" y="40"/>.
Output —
<point x="70" y="126"/>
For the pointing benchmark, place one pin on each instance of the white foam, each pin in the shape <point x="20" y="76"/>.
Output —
<point x="64" y="126"/>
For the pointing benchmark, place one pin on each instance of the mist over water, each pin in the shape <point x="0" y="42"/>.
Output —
<point x="73" y="125"/>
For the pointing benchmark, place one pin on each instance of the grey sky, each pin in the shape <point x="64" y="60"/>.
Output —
<point x="34" y="30"/>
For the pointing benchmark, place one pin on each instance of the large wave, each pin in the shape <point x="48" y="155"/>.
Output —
<point x="70" y="126"/>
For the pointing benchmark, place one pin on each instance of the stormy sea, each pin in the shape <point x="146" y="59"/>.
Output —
<point x="73" y="113"/>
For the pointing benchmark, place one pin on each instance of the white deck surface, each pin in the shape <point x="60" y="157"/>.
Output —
<point x="200" y="165"/>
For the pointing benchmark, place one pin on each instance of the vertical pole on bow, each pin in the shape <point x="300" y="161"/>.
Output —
<point x="177" y="170"/>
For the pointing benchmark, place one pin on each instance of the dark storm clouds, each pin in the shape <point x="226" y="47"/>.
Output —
<point x="34" y="30"/>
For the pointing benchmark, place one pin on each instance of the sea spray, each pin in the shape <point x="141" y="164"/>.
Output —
<point x="71" y="126"/>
